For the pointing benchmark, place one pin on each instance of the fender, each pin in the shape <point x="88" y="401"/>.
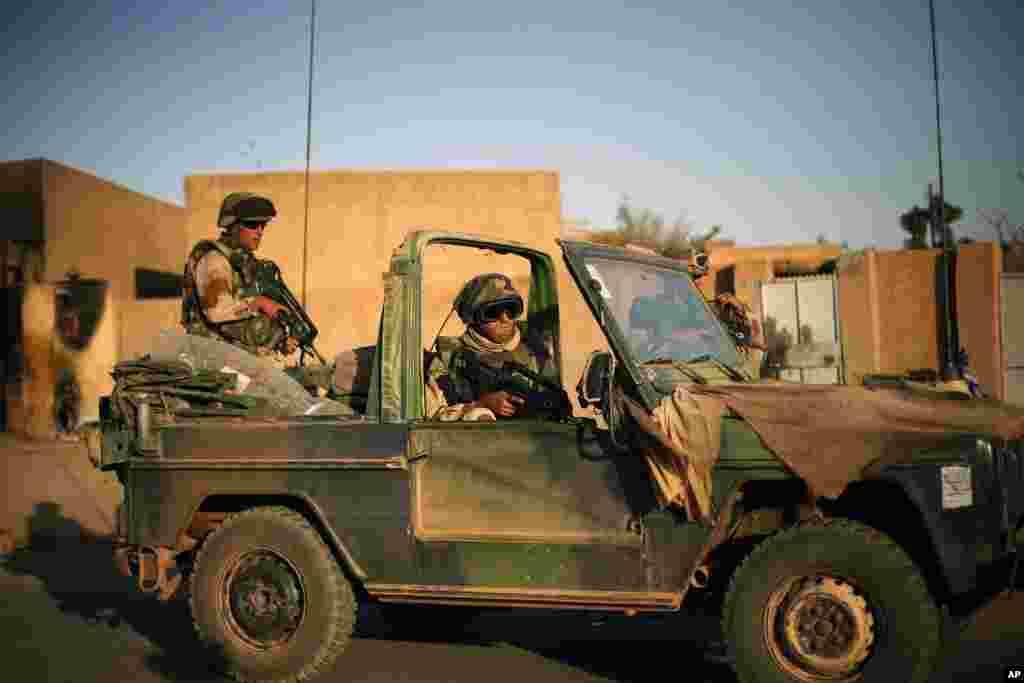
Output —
<point x="300" y="502"/>
<point x="962" y="538"/>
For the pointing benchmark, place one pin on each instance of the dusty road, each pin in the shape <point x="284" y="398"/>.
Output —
<point x="65" y="615"/>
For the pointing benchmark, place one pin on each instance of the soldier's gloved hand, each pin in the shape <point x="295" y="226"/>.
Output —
<point x="267" y="306"/>
<point x="501" y="403"/>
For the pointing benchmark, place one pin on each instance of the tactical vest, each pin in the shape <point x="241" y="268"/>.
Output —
<point x="250" y="334"/>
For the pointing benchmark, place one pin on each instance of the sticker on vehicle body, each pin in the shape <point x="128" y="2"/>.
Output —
<point x="595" y="276"/>
<point x="956" y="487"/>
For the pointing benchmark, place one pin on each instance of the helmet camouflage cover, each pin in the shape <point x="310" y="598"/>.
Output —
<point x="244" y="206"/>
<point x="484" y="290"/>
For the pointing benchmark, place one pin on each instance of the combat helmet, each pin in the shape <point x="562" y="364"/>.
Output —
<point x="484" y="291"/>
<point x="244" y="206"/>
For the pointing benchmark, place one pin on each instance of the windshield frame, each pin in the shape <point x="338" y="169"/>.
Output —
<point x="576" y="256"/>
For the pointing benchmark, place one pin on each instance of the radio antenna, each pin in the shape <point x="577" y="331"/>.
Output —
<point x="953" y="358"/>
<point x="309" y="137"/>
<point x="938" y="126"/>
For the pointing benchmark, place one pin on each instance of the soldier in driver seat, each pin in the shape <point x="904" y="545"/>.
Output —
<point x="489" y="305"/>
<point x="673" y="313"/>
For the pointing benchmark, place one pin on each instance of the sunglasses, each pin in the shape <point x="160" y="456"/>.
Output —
<point x="254" y="225"/>
<point x="492" y="312"/>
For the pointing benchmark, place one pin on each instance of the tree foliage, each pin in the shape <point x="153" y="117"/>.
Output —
<point x="646" y="228"/>
<point x="916" y="222"/>
<point x="999" y="221"/>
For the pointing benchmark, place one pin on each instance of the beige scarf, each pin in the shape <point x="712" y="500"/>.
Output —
<point x="481" y="344"/>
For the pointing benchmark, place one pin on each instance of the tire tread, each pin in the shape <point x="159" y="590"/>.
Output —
<point x="841" y="527"/>
<point x="342" y="617"/>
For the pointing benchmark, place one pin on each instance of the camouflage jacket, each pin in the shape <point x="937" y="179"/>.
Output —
<point x="450" y="384"/>
<point x="212" y="304"/>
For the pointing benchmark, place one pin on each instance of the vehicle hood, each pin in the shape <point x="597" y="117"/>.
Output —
<point x="830" y="434"/>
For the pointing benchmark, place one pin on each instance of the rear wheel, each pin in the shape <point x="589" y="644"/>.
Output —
<point x="269" y="599"/>
<point x="836" y="602"/>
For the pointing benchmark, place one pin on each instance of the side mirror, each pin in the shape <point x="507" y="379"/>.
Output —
<point x="595" y="383"/>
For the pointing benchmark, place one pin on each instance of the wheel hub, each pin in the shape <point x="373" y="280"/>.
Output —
<point x="820" y="628"/>
<point x="265" y="599"/>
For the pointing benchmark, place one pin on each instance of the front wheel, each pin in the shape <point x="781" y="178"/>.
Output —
<point x="269" y="599"/>
<point x="836" y="603"/>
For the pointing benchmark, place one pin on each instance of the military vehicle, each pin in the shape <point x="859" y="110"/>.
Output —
<point x="278" y="523"/>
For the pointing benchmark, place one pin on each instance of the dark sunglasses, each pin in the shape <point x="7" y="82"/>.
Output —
<point x="254" y="225"/>
<point x="492" y="312"/>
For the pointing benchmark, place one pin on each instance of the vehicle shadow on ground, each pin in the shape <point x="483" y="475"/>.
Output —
<point x="623" y="649"/>
<point x="77" y="570"/>
<point x="617" y="648"/>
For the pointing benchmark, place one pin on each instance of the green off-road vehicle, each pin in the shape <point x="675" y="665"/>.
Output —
<point x="280" y="512"/>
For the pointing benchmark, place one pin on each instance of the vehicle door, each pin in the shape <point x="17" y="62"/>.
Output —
<point x="521" y="504"/>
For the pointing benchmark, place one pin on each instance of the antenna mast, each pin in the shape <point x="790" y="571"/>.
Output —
<point x="309" y="137"/>
<point x="938" y="127"/>
<point x="952" y="357"/>
<point x="938" y="118"/>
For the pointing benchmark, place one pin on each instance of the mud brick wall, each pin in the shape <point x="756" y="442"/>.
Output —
<point x="889" y="316"/>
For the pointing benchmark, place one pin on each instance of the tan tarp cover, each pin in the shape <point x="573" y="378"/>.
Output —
<point x="826" y="434"/>
<point x="687" y="428"/>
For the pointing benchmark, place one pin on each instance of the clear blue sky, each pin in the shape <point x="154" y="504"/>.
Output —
<point x="778" y="121"/>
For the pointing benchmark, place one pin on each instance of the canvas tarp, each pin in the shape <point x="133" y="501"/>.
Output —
<point x="825" y="434"/>
<point x="686" y="428"/>
<point x="257" y="376"/>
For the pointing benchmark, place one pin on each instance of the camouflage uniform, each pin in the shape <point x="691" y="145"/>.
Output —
<point x="450" y="388"/>
<point x="216" y="274"/>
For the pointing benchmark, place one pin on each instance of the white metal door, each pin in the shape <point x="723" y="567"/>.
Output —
<point x="801" y="329"/>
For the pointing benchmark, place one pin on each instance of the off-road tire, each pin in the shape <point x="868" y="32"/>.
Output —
<point x="290" y="547"/>
<point x="770" y="637"/>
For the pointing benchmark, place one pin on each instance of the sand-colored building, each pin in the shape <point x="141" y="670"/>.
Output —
<point x="67" y="221"/>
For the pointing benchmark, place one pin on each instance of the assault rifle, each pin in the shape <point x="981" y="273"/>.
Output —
<point x="543" y="398"/>
<point x="294" y="320"/>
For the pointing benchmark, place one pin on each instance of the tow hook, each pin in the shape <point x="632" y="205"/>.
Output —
<point x="154" y="567"/>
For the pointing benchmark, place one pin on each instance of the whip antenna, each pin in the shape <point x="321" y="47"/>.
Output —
<point x="953" y="357"/>
<point x="309" y="137"/>
<point x="938" y="124"/>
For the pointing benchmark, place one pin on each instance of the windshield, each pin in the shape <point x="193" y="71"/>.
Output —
<point x="661" y="313"/>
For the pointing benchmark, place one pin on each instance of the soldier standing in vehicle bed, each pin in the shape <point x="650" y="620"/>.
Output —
<point x="489" y="306"/>
<point x="217" y="272"/>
